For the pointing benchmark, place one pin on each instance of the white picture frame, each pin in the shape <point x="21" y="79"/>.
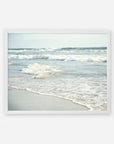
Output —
<point x="60" y="31"/>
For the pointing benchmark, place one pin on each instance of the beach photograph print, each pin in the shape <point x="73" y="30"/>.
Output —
<point x="57" y="72"/>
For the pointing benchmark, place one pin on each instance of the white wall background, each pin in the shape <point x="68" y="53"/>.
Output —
<point x="79" y="129"/>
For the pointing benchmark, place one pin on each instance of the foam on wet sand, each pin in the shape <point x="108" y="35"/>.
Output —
<point x="21" y="100"/>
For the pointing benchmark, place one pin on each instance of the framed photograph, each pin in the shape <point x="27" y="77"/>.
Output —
<point x="57" y="72"/>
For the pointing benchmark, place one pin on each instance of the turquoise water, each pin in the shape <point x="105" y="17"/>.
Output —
<point x="77" y="74"/>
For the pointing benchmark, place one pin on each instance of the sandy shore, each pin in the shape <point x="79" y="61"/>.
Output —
<point x="22" y="100"/>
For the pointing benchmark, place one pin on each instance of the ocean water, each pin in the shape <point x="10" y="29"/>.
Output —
<point x="76" y="74"/>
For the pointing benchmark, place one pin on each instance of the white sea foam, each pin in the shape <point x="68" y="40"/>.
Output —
<point x="82" y="51"/>
<point x="83" y="90"/>
<point x="87" y="87"/>
<point x="91" y="103"/>
<point x="22" y="56"/>
<point x="82" y="58"/>
<point x="40" y="70"/>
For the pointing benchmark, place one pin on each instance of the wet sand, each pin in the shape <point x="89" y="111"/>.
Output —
<point x="21" y="100"/>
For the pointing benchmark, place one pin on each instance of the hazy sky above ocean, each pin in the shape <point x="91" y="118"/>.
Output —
<point x="19" y="40"/>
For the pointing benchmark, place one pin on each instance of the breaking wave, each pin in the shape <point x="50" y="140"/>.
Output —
<point x="82" y="58"/>
<point x="83" y="48"/>
<point x="40" y="71"/>
<point x="22" y="56"/>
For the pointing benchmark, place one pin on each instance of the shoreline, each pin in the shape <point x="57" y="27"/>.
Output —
<point x="21" y="100"/>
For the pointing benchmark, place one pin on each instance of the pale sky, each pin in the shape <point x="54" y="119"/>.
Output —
<point x="19" y="40"/>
